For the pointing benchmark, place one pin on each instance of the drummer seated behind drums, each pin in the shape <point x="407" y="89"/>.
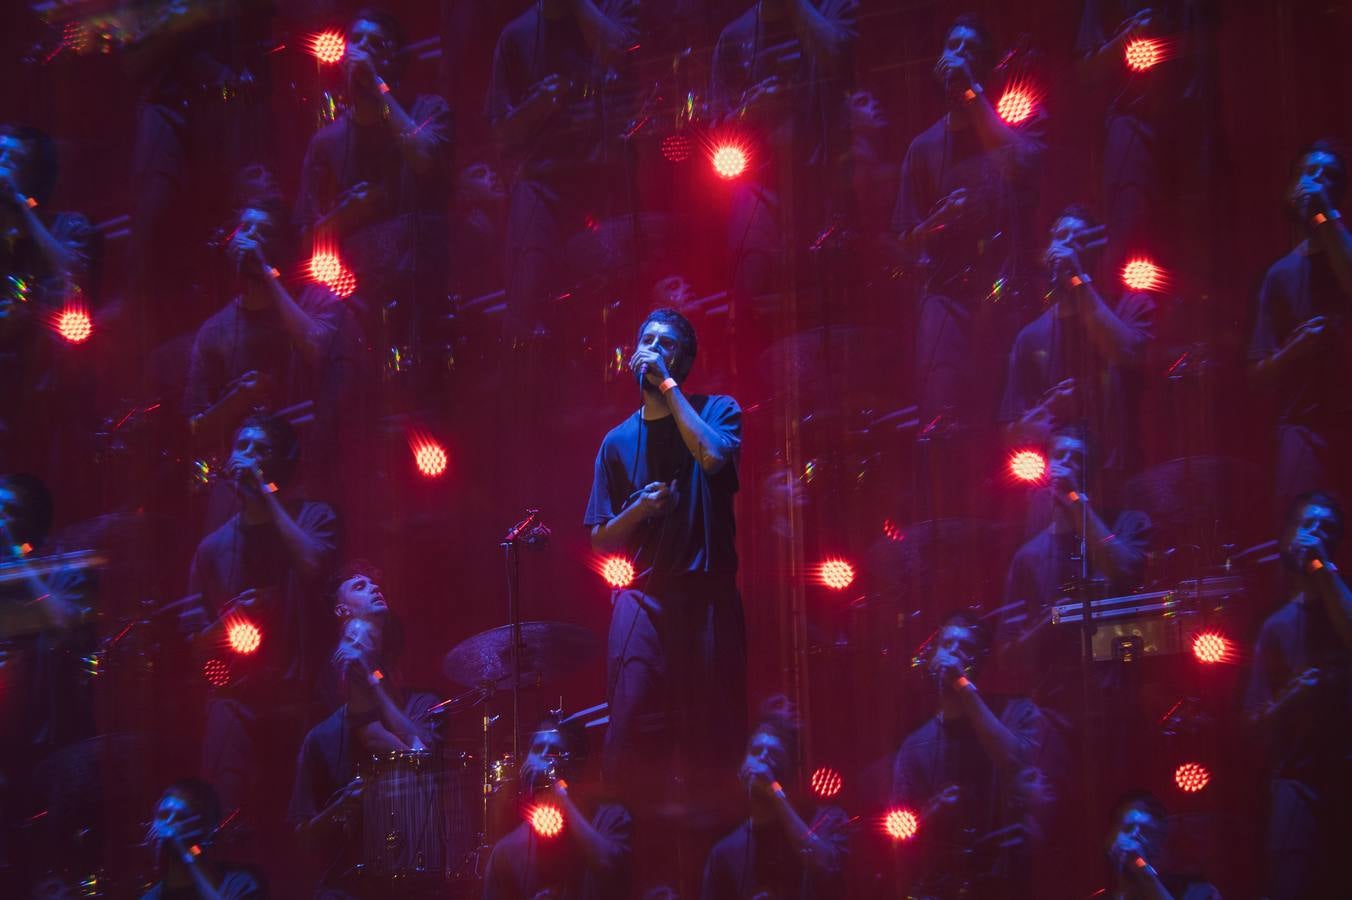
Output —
<point x="377" y="718"/>
<point x="581" y="846"/>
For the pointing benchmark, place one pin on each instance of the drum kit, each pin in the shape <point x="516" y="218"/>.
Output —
<point x="430" y="816"/>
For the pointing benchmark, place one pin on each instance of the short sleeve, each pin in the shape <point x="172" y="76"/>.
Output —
<point x="305" y="802"/>
<point x="719" y="882"/>
<point x="1265" y="672"/>
<point x="317" y="181"/>
<point x="723" y="413"/>
<point x="1019" y="394"/>
<point x="1029" y="725"/>
<point x="600" y="507"/>
<point x="74" y="232"/>
<point x="908" y="210"/>
<point x="320" y="522"/>
<point x="197" y="615"/>
<point x="1265" y="340"/>
<point x="204" y="385"/>
<point x="1137" y="310"/>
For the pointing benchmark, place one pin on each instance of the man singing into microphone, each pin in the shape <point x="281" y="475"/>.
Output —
<point x="662" y="496"/>
<point x="181" y="833"/>
<point x="1137" y="844"/>
<point x="1300" y="699"/>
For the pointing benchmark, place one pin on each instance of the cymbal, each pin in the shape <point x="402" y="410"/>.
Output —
<point x="1190" y="489"/>
<point x="549" y="650"/>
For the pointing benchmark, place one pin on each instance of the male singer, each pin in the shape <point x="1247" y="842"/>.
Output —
<point x="662" y="495"/>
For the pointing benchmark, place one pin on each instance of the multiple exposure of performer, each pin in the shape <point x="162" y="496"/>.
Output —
<point x="558" y="82"/>
<point x="1079" y="361"/>
<point x="265" y="567"/>
<point x="1300" y="701"/>
<point x="182" y="833"/>
<point x="1052" y="568"/>
<point x="662" y="495"/>
<point x="378" y="717"/>
<point x="784" y="848"/>
<point x="1300" y="340"/>
<point x="968" y="187"/>
<point x="267" y="347"/>
<point x="781" y="71"/>
<point x="588" y="856"/>
<point x="376" y="183"/>
<point x="976" y="775"/>
<point x="1137" y="852"/>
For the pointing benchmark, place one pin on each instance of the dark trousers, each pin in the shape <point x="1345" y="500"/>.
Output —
<point x="1307" y="833"/>
<point x="676" y="670"/>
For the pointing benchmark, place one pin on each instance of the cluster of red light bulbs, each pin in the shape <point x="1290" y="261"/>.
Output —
<point x="835" y="573"/>
<point x="328" y="47"/>
<point x="327" y="268"/>
<point x="617" y="571"/>
<point x="826" y="782"/>
<point x="74" y="325"/>
<point x="1210" y="647"/>
<point x="1191" y="777"/>
<point x="546" y="820"/>
<point x="901" y="824"/>
<point x="1028" y="466"/>
<point x="216" y="672"/>
<point x="429" y="457"/>
<point x="1142" y="54"/>
<point x="244" y="636"/>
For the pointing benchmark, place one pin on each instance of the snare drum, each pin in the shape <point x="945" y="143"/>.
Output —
<point x="404" y="816"/>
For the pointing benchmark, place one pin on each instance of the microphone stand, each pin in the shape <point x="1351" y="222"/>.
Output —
<point x="532" y="532"/>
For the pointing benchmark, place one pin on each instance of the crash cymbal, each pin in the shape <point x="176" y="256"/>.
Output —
<point x="549" y="650"/>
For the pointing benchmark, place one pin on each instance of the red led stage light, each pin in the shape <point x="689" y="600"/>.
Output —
<point x="676" y="148"/>
<point x="1210" y="647"/>
<point x="74" y="325"/>
<point x="216" y="672"/>
<point x="1028" y="466"/>
<point x="826" y="782"/>
<point x="728" y="160"/>
<point x="1144" y="53"/>
<point x="1141" y="274"/>
<point x="328" y="46"/>
<point x="327" y="268"/>
<point x="1191" y="777"/>
<point x="1016" y="105"/>
<point x="546" y="820"/>
<point x="429" y="457"/>
<point x="901" y="824"/>
<point x="837" y="574"/>
<point x="617" y="571"/>
<point x="244" y="636"/>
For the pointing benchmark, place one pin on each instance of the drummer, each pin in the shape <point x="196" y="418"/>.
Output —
<point x="378" y="717"/>
<point x="569" y="845"/>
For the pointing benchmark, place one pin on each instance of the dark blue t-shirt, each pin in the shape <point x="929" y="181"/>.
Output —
<point x="699" y="535"/>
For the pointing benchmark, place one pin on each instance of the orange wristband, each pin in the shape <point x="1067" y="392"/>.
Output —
<point x="668" y="384"/>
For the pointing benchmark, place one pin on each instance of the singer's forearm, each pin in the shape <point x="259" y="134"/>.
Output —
<point x="1334" y="237"/>
<point x="306" y="552"/>
<point x="600" y="852"/>
<point x="818" y="852"/>
<point x="1337" y="601"/>
<point x="615" y="534"/>
<point x="709" y="446"/>
<point x="1002" y="746"/>
<point x="309" y="335"/>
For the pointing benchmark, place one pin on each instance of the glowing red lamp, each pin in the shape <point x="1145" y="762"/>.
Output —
<point x="1191" y="777"/>
<point x="676" y="148"/>
<point x="1141" y="274"/>
<point x="837" y="574"/>
<point x="327" y="268"/>
<point x="244" y="636"/>
<point x="1144" y="53"/>
<point x="546" y="820"/>
<point x="216" y="672"/>
<point x="893" y="532"/>
<point x="826" y="782"/>
<point x="74" y="325"/>
<point x="728" y="160"/>
<point x="1028" y="466"/>
<point x="1210" y="647"/>
<point x="429" y="457"/>
<point x="1015" y="105"/>
<point x="328" y="46"/>
<point x="617" y="571"/>
<point x="901" y="824"/>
